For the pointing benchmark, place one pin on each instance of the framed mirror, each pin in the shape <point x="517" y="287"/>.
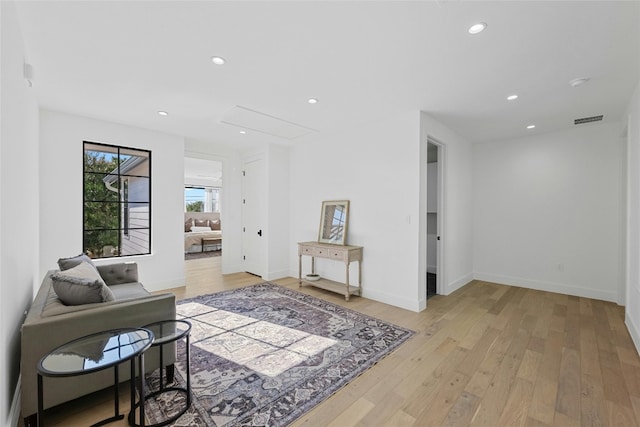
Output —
<point x="333" y="222"/>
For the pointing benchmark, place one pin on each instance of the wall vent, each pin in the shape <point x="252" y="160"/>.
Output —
<point x="588" y="120"/>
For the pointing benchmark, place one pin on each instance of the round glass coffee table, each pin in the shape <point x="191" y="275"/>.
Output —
<point x="94" y="353"/>
<point x="165" y="332"/>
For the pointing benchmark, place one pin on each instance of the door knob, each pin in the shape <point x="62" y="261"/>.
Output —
<point x="260" y="233"/>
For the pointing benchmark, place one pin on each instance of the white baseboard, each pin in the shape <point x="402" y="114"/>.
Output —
<point x="165" y="284"/>
<point x="560" y="288"/>
<point x="634" y="331"/>
<point x="14" y="412"/>
<point x="457" y="284"/>
<point x="395" y="300"/>
<point x="231" y="268"/>
<point x="274" y="275"/>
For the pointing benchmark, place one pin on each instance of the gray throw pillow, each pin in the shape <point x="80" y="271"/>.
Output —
<point x="67" y="263"/>
<point x="81" y="285"/>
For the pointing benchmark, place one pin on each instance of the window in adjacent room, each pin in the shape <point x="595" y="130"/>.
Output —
<point x="117" y="201"/>
<point x="201" y="199"/>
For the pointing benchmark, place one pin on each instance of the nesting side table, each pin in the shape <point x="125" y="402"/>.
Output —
<point x="94" y="353"/>
<point x="165" y="332"/>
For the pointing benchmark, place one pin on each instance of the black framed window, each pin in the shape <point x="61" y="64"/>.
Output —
<point x="116" y="201"/>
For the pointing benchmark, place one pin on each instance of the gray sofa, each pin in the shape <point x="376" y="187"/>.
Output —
<point x="50" y="323"/>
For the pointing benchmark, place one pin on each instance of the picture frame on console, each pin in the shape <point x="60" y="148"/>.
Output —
<point x="334" y="220"/>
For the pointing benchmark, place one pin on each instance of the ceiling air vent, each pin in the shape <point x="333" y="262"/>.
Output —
<point x="588" y="120"/>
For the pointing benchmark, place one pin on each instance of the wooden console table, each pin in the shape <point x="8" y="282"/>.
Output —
<point x="343" y="253"/>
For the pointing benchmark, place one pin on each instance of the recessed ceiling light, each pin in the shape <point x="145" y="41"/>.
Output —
<point x="578" y="81"/>
<point x="477" y="28"/>
<point x="312" y="101"/>
<point x="218" y="60"/>
<point x="531" y="126"/>
<point x="242" y="132"/>
<point x="512" y="97"/>
<point x="163" y="113"/>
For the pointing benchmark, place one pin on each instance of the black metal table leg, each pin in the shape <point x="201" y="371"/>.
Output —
<point x="40" y="402"/>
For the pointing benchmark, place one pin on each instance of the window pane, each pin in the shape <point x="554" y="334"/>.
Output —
<point x="101" y="244"/>
<point x="138" y="189"/>
<point x="194" y="199"/>
<point x="97" y="189"/>
<point x="139" y="215"/>
<point x="134" y="162"/>
<point x="136" y="242"/>
<point x="101" y="215"/>
<point x="100" y="159"/>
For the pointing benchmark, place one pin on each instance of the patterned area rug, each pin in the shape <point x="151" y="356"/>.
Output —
<point x="264" y="355"/>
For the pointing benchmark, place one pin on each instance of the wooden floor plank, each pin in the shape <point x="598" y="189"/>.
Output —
<point x="498" y="392"/>
<point x="462" y="411"/>
<point x="516" y="410"/>
<point x="568" y="397"/>
<point x="594" y="411"/>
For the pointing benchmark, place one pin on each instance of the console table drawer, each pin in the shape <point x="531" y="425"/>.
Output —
<point x="305" y="250"/>
<point x="338" y="254"/>
<point x="321" y="252"/>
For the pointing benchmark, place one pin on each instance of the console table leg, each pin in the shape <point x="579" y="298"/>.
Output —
<point x="346" y="295"/>
<point x="360" y="277"/>
<point x="299" y="271"/>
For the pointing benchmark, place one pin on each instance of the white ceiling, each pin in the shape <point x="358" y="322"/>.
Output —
<point x="202" y="170"/>
<point x="124" y="61"/>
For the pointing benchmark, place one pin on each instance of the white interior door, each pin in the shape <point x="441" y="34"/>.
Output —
<point x="253" y="216"/>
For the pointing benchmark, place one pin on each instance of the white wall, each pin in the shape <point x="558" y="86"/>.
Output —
<point x="456" y="210"/>
<point x="278" y="211"/>
<point x="19" y="202"/>
<point x="548" y="211"/>
<point x="632" y="311"/>
<point x="230" y="198"/>
<point x="61" y="150"/>
<point x="376" y="167"/>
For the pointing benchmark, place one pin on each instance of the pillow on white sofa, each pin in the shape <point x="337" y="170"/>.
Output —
<point x="81" y="285"/>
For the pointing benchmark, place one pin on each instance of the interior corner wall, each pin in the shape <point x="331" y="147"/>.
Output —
<point x="19" y="202"/>
<point x="549" y="211"/>
<point x="374" y="166"/>
<point x="61" y="151"/>
<point x="230" y="198"/>
<point x="632" y="311"/>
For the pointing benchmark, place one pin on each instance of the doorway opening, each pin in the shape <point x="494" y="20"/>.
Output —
<point x="433" y="236"/>
<point x="202" y="208"/>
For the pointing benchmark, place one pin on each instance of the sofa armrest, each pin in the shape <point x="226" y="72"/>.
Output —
<point x="116" y="274"/>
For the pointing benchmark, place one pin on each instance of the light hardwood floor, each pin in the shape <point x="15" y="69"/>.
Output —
<point x="487" y="355"/>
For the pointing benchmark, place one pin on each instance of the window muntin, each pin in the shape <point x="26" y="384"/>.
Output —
<point x="116" y="201"/>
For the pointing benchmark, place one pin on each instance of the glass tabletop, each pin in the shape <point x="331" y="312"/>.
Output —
<point x="95" y="352"/>
<point x="169" y="330"/>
